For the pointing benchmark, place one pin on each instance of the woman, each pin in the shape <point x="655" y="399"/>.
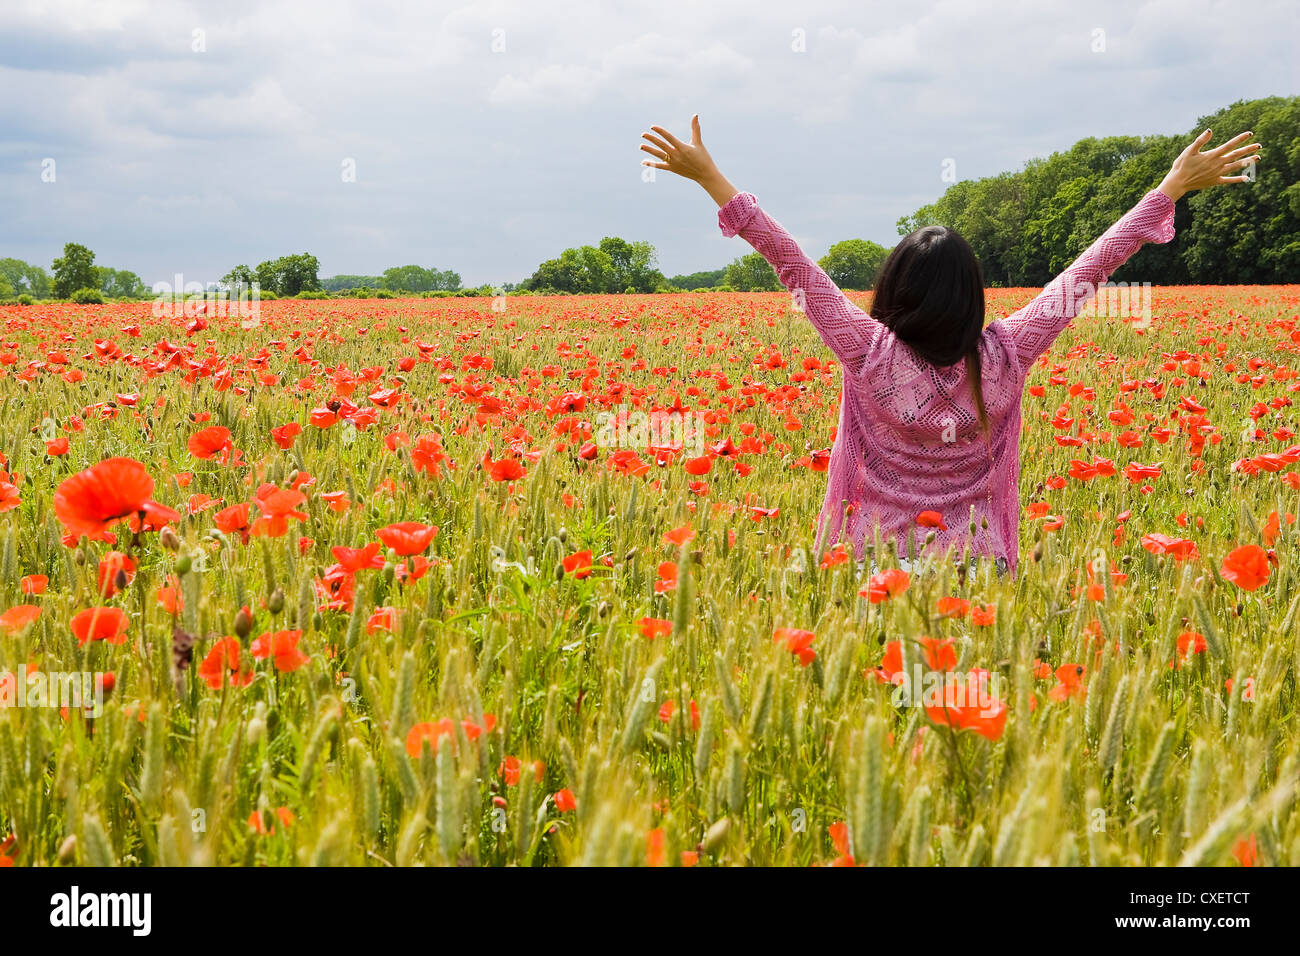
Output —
<point x="930" y="409"/>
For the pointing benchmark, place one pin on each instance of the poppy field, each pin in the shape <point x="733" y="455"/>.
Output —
<point x="403" y="581"/>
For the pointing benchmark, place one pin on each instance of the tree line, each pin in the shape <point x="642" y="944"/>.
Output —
<point x="1025" y="226"/>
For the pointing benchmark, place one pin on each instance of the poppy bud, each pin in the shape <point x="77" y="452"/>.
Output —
<point x="929" y="537"/>
<point x="563" y="535"/>
<point x="169" y="539"/>
<point x="275" y="603"/>
<point x="120" y="579"/>
<point x="243" y="623"/>
<point x="602" y="609"/>
<point x="79" y="557"/>
<point x="697" y="557"/>
<point x="183" y="565"/>
<point x="559" y="572"/>
<point x="68" y="850"/>
<point x="1038" y="552"/>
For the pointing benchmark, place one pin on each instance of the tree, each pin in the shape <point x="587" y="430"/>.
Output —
<point x="25" y="278"/>
<point x="419" y="279"/>
<point x="120" y="283"/>
<point x="585" y="269"/>
<point x="6" y="290"/>
<point x="634" y="265"/>
<point x="1027" y="226"/>
<point x="239" y="277"/>
<point x="74" y="270"/>
<point x="699" y="280"/>
<point x="751" y="273"/>
<point x="853" y="263"/>
<point x="289" y="275"/>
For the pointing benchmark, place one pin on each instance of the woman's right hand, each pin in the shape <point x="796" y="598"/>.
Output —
<point x="688" y="160"/>
<point x="1194" y="169"/>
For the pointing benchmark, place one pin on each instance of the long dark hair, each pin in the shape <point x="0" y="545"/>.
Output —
<point x="930" y="292"/>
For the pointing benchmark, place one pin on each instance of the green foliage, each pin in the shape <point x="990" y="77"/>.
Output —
<point x="25" y="278"/>
<point x="700" y="280"/>
<point x="74" y="270"/>
<point x="615" y="266"/>
<point x="853" y="263"/>
<point x="120" y="284"/>
<point x="26" y="299"/>
<point x="289" y="275"/>
<point x="1029" y="225"/>
<point x="419" y="279"/>
<point x="87" y="296"/>
<point x="241" y="276"/>
<point x="752" y="273"/>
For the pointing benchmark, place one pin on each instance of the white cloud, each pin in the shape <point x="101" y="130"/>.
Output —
<point x="487" y="162"/>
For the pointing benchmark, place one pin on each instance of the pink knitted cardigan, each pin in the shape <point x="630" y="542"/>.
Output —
<point x="908" y="439"/>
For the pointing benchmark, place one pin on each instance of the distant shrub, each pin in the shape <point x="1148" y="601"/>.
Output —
<point x="384" y="294"/>
<point x="312" y="294"/>
<point x="87" y="296"/>
<point x="25" y="299"/>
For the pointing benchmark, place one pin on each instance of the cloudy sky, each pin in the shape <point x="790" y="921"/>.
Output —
<point x="486" y="136"/>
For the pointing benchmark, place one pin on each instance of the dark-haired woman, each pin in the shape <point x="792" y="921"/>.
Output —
<point x="930" y="411"/>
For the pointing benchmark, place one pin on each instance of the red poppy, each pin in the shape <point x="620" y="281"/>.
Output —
<point x="277" y="505"/>
<point x="680" y="536"/>
<point x="970" y="705"/>
<point x="282" y="646"/>
<point x="407" y="537"/>
<point x="885" y="585"/>
<point x="652" y="627"/>
<point x="285" y="435"/>
<point x="19" y="617"/>
<point x="234" y="520"/>
<point x="209" y="442"/>
<point x="578" y="564"/>
<point x="106" y="624"/>
<point x="797" y="642"/>
<point x="931" y="519"/>
<point x="1068" y="677"/>
<point x="222" y="663"/>
<point x="433" y="732"/>
<point x="92" y="501"/>
<point x="1247" y="567"/>
<point x="116" y="571"/>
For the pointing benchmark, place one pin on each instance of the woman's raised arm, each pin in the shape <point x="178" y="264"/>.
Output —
<point x="1035" y="327"/>
<point x="845" y="328"/>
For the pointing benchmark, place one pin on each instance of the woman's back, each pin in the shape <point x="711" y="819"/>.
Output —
<point x="910" y="438"/>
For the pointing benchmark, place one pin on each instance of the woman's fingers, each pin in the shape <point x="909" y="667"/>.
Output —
<point x="1234" y="179"/>
<point x="654" y="151"/>
<point x="1220" y="150"/>
<point x="1195" y="145"/>
<point x="646" y="162"/>
<point x="1239" y="153"/>
<point x="673" y="140"/>
<point x="656" y="141"/>
<point x="695" y="131"/>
